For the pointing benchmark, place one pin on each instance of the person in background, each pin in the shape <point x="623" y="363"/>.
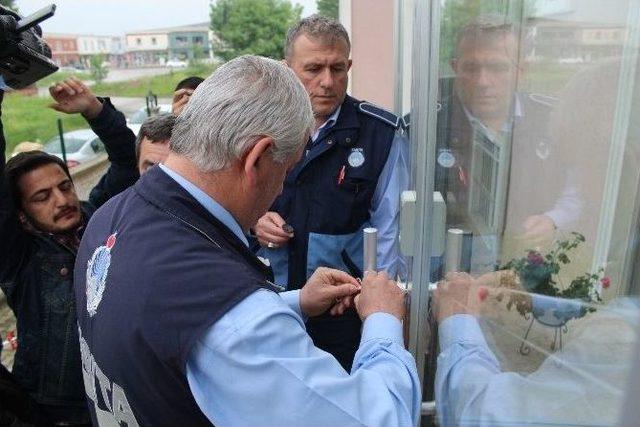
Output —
<point x="152" y="143"/>
<point x="41" y="223"/>
<point x="353" y="169"/>
<point x="184" y="89"/>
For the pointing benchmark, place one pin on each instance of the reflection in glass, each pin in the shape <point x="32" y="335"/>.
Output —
<point x="537" y="154"/>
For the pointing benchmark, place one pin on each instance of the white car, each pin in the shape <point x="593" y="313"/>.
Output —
<point x="80" y="146"/>
<point x="135" y="120"/>
<point x="176" y="63"/>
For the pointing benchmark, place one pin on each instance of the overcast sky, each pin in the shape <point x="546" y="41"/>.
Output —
<point x="116" y="17"/>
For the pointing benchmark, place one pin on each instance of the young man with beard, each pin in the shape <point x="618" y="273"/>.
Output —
<point x="41" y="223"/>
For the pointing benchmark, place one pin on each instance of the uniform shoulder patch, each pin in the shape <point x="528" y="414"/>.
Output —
<point x="546" y="100"/>
<point x="379" y="113"/>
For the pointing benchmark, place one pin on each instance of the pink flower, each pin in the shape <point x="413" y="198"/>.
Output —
<point x="483" y="293"/>
<point x="535" y="258"/>
<point x="606" y="282"/>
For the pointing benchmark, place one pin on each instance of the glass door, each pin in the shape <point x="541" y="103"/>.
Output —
<point x="524" y="124"/>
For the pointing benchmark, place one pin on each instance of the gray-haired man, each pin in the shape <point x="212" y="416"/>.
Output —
<point x="180" y="324"/>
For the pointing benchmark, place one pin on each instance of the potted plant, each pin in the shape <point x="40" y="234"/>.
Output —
<point x="544" y="300"/>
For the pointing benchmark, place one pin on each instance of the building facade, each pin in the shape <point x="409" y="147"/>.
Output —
<point x="189" y="42"/>
<point x="157" y="46"/>
<point x="147" y="47"/>
<point x="64" y="48"/>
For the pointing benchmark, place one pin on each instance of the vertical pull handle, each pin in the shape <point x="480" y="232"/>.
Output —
<point x="370" y="242"/>
<point x="458" y="250"/>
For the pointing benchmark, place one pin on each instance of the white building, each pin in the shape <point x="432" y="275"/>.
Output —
<point x="147" y="47"/>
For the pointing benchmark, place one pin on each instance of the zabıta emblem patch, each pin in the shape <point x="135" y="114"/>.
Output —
<point x="356" y="158"/>
<point x="97" y="270"/>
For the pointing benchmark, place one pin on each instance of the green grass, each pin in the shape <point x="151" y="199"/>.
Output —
<point x="161" y="85"/>
<point x="61" y="75"/>
<point x="27" y="118"/>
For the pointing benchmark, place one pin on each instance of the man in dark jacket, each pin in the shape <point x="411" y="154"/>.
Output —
<point x="496" y="164"/>
<point x="41" y="222"/>
<point x="354" y="167"/>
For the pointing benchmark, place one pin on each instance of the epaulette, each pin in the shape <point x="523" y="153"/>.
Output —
<point x="380" y="114"/>
<point x="549" y="101"/>
<point x="406" y="121"/>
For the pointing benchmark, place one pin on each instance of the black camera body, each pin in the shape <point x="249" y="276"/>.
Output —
<point x="24" y="56"/>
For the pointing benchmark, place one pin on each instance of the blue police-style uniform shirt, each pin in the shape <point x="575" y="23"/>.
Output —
<point x="257" y="366"/>
<point x="581" y="385"/>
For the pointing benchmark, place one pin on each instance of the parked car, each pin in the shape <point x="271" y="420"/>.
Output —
<point x="80" y="146"/>
<point x="176" y="63"/>
<point x="135" y="120"/>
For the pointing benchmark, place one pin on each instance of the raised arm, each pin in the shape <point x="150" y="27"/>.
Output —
<point x="72" y="96"/>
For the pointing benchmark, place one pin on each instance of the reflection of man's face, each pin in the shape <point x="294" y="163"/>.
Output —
<point x="49" y="199"/>
<point x="323" y="70"/>
<point x="151" y="153"/>
<point x="486" y="73"/>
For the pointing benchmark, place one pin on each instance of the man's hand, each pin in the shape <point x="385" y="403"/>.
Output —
<point x="458" y="293"/>
<point x="269" y="231"/>
<point x="72" y="96"/>
<point x="180" y="99"/>
<point x="328" y="288"/>
<point x="380" y="294"/>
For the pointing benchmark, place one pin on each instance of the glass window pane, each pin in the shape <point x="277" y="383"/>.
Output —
<point x="537" y="158"/>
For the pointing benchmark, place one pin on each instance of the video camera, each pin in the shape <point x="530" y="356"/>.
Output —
<point x="24" y="57"/>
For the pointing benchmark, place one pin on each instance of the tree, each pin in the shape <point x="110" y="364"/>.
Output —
<point x="197" y="53"/>
<point x="328" y="8"/>
<point x="255" y="27"/>
<point x="9" y="3"/>
<point x="98" y="69"/>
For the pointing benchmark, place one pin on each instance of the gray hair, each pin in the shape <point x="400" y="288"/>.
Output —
<point x="245" y="99"/>
<point x="316" y="26"/>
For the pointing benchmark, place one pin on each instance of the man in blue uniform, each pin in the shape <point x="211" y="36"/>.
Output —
<point x="179" y="321"/>
<point x="350" y="177"/>
<point x="497" y="167"/>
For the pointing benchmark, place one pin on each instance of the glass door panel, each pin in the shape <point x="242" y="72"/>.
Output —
<point x="525" y="123"/>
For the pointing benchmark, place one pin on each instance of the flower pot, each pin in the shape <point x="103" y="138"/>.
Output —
<point x="555" y="312"/>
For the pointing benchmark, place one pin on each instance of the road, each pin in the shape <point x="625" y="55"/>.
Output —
<point x="120" y="75"/>
<point x="131" y="105"/>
